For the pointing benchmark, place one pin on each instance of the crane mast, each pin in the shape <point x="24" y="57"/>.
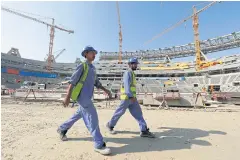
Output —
<point x="52" y="33"/>
<point x="50" y="55"/>
<point x="196" y="38"/>
<point x="120" y="35"/>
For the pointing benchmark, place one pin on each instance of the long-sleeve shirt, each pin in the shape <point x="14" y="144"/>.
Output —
<point x="127" y="79"/>
<point x="88" y="86"/>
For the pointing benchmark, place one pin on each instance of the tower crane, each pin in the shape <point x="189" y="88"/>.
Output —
<point x="200" y="57"/>
<point x="52" y="32"/>
<point x="120" y="35"/>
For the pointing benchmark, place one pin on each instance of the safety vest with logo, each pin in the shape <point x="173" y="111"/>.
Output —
<point x="132" y="88"/>
<point x="77" y="89"/>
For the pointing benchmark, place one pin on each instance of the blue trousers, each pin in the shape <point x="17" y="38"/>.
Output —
<point x="90" y="118"/>
<point x="135" y="111"/>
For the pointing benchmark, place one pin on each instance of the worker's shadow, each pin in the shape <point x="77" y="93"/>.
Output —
<point x="168" y="139"/>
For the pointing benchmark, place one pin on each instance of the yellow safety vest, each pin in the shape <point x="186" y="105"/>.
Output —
<point x="132" y="88"/>
<point x="77" y="89"/>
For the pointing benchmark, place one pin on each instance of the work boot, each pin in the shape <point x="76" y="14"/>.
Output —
<point x="103" y="150"/>
<point x="147" y="134"/>
<point x="110" y="129"/>
<point x="62" y="134"/>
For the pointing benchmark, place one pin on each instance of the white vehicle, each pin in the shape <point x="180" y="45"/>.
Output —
<point x="29" y="85"/>
<point x="41" y="86"/>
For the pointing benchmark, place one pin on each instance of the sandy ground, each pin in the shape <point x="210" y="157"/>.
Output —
<point x="29" y="132"/>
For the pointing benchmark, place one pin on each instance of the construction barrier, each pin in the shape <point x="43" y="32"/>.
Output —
<point x="221" y="96"/>
<point x="214" y="97"/>
<point x="11" y="91"/>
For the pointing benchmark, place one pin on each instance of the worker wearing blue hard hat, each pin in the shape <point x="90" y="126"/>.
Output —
<point x="81" y="88"/>
<point x="129" y="101"/>
<point x="133" y="60"/>
<point x="88" y="49"/>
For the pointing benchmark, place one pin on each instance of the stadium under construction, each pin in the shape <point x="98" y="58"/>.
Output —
<point x="177" y="83"/>
<point x="158" y="78"/>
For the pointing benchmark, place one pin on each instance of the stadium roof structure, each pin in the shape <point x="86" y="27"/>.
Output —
<point x="225" y="42"/>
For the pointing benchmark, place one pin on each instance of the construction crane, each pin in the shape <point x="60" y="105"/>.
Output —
<point x="52" y="32"/>
<point x="59" y="54"/>
<point x="200" y="57"/>
<point x="201" y="60"/>
<point x="120" y="35"/>
<point x="53" y="60"/>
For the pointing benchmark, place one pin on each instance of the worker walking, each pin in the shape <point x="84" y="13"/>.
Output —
<point x="128" y="100"/>
<point x="80" y="90"/>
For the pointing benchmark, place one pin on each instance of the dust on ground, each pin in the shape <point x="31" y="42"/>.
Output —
<point x="29" y="132"/>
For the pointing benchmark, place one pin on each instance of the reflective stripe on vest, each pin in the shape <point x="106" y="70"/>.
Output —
<point x="132" y="88"/>
<point x="77" y="89"/>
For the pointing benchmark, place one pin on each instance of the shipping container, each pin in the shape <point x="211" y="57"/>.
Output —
<point x="12" y="71"/>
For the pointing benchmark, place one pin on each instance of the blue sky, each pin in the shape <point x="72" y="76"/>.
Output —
<point x="96" y="24"/>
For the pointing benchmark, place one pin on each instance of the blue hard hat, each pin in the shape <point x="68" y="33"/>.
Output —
<point x="133" y="60"/>
<point x="87" y="49"/>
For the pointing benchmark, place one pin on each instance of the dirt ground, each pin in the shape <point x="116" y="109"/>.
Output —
<point x="29" y="132"/>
